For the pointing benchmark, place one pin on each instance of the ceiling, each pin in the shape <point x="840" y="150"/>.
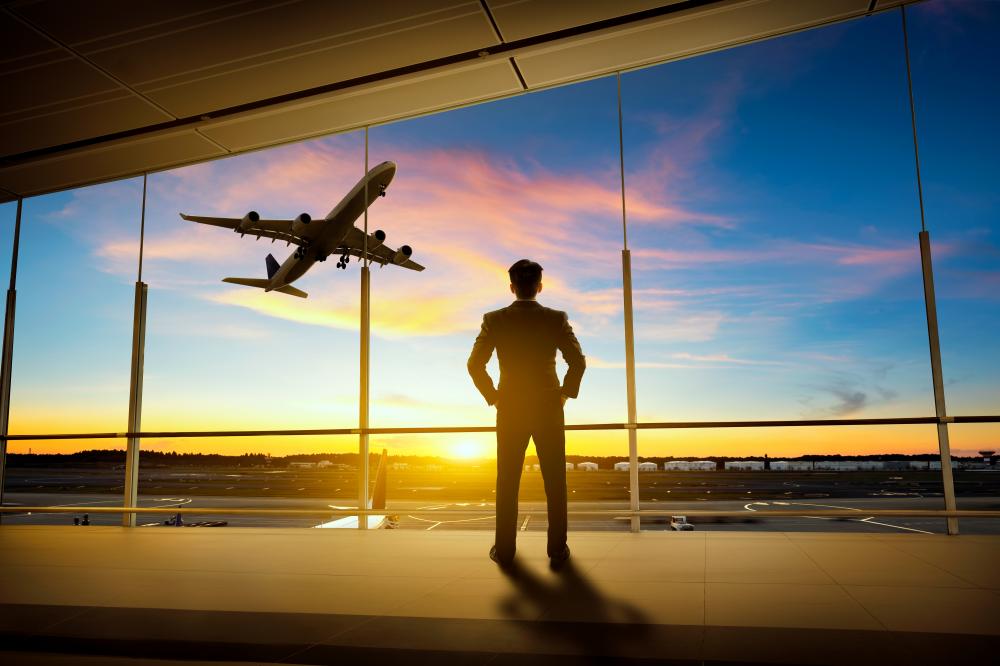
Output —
<point x="95" y="91"/>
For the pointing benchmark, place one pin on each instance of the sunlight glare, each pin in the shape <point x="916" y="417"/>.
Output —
<point x="466" y="450"/>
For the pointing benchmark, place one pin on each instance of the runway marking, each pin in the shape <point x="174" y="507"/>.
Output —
<point x="433" y="526"/>
<point x="898" y="527"/>
<point x="91" y="503"/>
<point x="431" y="507"/>
<point x="524" y="525"/>
<point x="846" y="508"/>
<point x="463" y="520"/>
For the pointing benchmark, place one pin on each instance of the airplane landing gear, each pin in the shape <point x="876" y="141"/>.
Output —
<point x="343" y="261"/>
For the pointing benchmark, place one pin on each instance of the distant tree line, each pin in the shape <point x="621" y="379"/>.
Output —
<point x="113" y="457"/>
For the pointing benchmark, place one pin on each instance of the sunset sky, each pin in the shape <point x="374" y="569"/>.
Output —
<point x="772" y="218"/>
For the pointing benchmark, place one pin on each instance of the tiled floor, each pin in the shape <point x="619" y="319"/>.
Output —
<point x="308" y="595"/>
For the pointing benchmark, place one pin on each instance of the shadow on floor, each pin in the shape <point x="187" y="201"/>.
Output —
<point x="568" y="611"/>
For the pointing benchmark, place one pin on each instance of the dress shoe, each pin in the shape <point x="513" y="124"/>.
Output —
<point x="496" y="558"/>
<point x="557" y="561"/>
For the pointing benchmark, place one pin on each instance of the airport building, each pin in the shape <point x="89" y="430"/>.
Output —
<point x="745" y="465"/>
<point x="250" y="245"/>
<point x="690" y="465"/>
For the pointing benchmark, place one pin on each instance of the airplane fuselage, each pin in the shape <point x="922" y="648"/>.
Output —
<point x="325" y="236"/>
<point x="330" y="235"/>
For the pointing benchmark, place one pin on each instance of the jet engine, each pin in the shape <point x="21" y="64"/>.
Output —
<point x="301" y="223"/>
<point x="402" y="254"/>
<point x="250" y="219"/>
<point x="376" y="239"/>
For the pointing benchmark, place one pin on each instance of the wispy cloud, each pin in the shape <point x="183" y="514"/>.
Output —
<point x="724" y="359"/>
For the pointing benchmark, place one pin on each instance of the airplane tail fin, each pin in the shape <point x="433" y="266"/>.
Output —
<point x="377" y="499"/>
<point x="272" y="266"/>
<point x="261" y="283"/>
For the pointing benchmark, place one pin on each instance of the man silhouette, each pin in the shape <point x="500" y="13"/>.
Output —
<point x="529" y="402"/>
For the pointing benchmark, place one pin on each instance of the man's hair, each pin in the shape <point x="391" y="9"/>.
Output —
<point x="525" y="275"/>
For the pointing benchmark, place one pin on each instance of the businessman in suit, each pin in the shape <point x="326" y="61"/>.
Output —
<point x="529" y="402"/>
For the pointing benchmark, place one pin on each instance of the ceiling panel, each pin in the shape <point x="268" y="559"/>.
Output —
<point x="21" y="46"/>
<point x="679" y="35"/>
<point x="518" y="19"/>
<point x="106" y="163"/>
<point x="79" y="71"/>
<point x="260" y="50"/>
<point x="370" y="105"/>
<point x="73" y="121"/>
<point x="96" y="24"/>
<point x="33" y="88"/>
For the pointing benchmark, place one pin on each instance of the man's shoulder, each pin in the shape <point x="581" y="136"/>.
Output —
<point x="492" y="314"/>
<point x="546" y="312"/>
<point x="555" y="314"/>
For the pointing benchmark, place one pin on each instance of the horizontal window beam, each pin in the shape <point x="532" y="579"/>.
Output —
<point x="306" y="513"/>
<point x="649" y="425"/>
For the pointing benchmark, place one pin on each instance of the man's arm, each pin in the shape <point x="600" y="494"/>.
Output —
<point x="573" y="355"/>
<point x="482" y="350"/>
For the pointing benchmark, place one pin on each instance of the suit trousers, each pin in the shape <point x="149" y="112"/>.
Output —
<point x="517" y="422"/>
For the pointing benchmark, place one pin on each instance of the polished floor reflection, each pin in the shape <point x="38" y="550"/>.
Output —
<point x="309" y="596"/>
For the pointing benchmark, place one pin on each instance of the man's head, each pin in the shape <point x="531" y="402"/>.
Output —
<point x="525" y="278"/>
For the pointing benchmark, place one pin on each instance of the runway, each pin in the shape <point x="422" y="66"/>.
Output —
<point x="419" y="515"/>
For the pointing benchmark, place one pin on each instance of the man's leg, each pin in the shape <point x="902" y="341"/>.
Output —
<point x="550" y="442"/>
<point x="512" y="441"/>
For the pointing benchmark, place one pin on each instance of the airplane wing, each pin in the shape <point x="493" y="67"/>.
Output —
<point x="379" y="254"/>
<point x="276" y="229"/>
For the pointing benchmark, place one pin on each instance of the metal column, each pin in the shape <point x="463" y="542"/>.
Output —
<point x="365" y="341"/>
<point x="363" y="420"/>
<point x="633" y="439"/>
<point x="938" y="379"/>
<point x="7" y="358"/>
<point x="131" y="492"/>
<point x="135" y="402"/>
<point x="930" y="302"/>
<point x="633" y="435"/>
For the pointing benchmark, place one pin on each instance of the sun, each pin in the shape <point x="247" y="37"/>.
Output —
<point x="467" y="450"/>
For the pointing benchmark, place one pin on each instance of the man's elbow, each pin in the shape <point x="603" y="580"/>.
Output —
<point x="475" y="366"/>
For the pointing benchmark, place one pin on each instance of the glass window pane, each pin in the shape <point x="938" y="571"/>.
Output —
<point x="8" y="216"/>
<point x="476" y="189"/>
<point x="773" y="220"/>
<point x="71" y="473"/>
<point x="747" y="470"/>
<point x="956" y="86"/>
<point x="77" y="266"/>
<point x="457" y="471"/>
<point x="974" y="448"/>
<point x="307" y="472"/>
<point x="225" y="356"/>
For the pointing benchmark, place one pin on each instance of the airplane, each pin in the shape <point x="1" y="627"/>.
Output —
<point x="376" y="501"/>
<point x="318" y="239"/>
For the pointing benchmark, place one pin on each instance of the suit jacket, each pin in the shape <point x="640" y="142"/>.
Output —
<point x="526" y="336"/>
